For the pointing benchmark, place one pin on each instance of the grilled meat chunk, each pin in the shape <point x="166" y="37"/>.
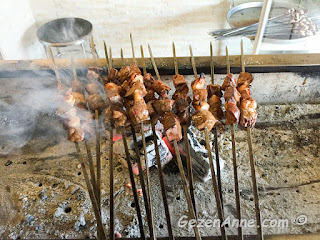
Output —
<point x="80" y="99"/>
<point x="134" y="70"/>
<point x="203" y="119"/>
<point x="160" y="88"/>
<point x="200" y="95"/>
<point x="150" y="95"/>
<point x="93" y="88"/>
<point x="232" y="94"/>
<point x="96" y="102"/>
<point x="113" y="93"/>
<point x="229" y="81"/>
<point x="178" y="80"/>
<point x="125" y="86"/>
<point x="214" y="89"/>
<point x="138" y="112"/>
<point x="124" y="74"/>
<point x="248" y="109"/>
<point x="184" y="117"/>
<point x="113" y="76"/>
<point x="244" y="90"/>
<point x="182" y="102"/>
<point x="171" y="125"/>
<point x="232" y="113"/>
<point x="75" y="134"/>
<point x="77" y="86"/>
<point x="215" y="107"/>
<point x="152" y="112"/>
<point x="137" y="86"/>
<point x="201" y="106"/>
<point x="162" y="106"/>
<point x="199" y="82"/>
<point x="94" y="73"/>
<point x="245" y="78"/>
<point x="148" y="80"/>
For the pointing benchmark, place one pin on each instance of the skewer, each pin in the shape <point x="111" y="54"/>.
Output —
<point x="193" y="63"/>
<point x="186" y="192"/>
<point x="134" y="189"/>
<point x="110" y="58"/>
<point x="106" y="54"/>
<point x="59" y="84"/>
<point x="93" y="51"/>
<point x="187" y="147"/>
<point x="160" y="172"/>
<point x="147" y="203"/>
<point x="111" y="234"/>
<point x="98" y="158"/>
<point x="154" y="64"/>
<point x="122" y="58"/>
<point x="215" y="186"/>
<point x="143" y="61"/>
<point x="234" y="163"/>
<point x="163" y="188"/>
<point x="91" y="194"/>
<point x="215" y="132"/>
<point x="134" y="57"/>
<point x="252" y="166"/>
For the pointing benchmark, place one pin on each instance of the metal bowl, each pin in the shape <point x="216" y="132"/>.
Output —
<point x="65" y="32"/>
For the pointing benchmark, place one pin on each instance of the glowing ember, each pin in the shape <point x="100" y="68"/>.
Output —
<point x="169" y="145"/>
<point x="116" y="137"/>
<point x="139" y="191"/>
<point x="117" y="235"/>
<point x="129" y="185"/>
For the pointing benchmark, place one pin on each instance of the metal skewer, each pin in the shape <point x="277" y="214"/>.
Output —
<point x="147" y="203"/>
<point x="111" y="177"/>
<point x="215" y="186"/>
<point x="133" y="184"/>
<point x="215" y="132"/>
<point x="186" y="192"/>
<point x="187" y="146"/>
<point x="160" y="172"/>
<point x="252" y="166"/>
<point x="234" y="163"/>
<point x="91" y="194"/>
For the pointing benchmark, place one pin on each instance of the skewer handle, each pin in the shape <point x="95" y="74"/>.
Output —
<point x="185" y="188"/>
<point x="193" y="63"/>
<point x="211" y="63"/>
<point x="132" y="48"/>
<point x="106" y="54"/>
<point x="98" y="158"/>
<point x="243" y="67"/>
<point x="111" y="234"/>
<point x="154" y="63"/>
<point x="227" y="60"/>
<point x="143" y="61"/>
<point x="176" y="70"/>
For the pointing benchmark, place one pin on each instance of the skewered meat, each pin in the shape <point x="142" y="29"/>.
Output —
<point x="73" y="121"/>
<point x="171" y="125"/>
<point x="148" y="80"/>
<point x="152" y="112"/>
<point x="214" y="89"/>
<point x="150" y="96"/>
<point x="202" y="119"/>
<point x="77" y="86"/>
<point x="160" y="88"/>
<point x="201" y="106"/>
<point x="183" y="88"/>
<point x="112" y="76"/>
<point x="94" y="73"/>
<point x="138" y="112"/>
<point x="80" y="99"/>
<point x="93" y="88"/>
<point x="124" y="74"/>
<point x="66" y="109"/>
<point x="232" y="94"/>
<point x="229" y="81"/>
<point x="199" y="82"/>
<point x="137" y="86"/>
<point x="200" y="95"/>
<point x="244" y="89"/>
<point x="163" y="95"/>
<point x="112" y="91"/>
<point x="69" y="99"/>
<point x="215" y="107"/>
<point x="248" y="116"/>
<point x="162" y="106"/>
<point x="182" y="102"/>
<point x="178" y="80"/>
<point x="245" y="78"/>
<point x="134" y="70"/>
<point x="96" y="102"/>
<point x="184" y="117"/>
<point x="125" y="86"/>
<point x="75" y="134"/>
<point x="136" y="78"/>
<point x="232" y="113"/>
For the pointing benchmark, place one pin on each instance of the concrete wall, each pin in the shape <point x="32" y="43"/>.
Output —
<point x="156" y="22"/>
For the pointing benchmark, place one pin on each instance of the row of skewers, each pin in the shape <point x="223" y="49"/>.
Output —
<point x="133" y="100"/>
